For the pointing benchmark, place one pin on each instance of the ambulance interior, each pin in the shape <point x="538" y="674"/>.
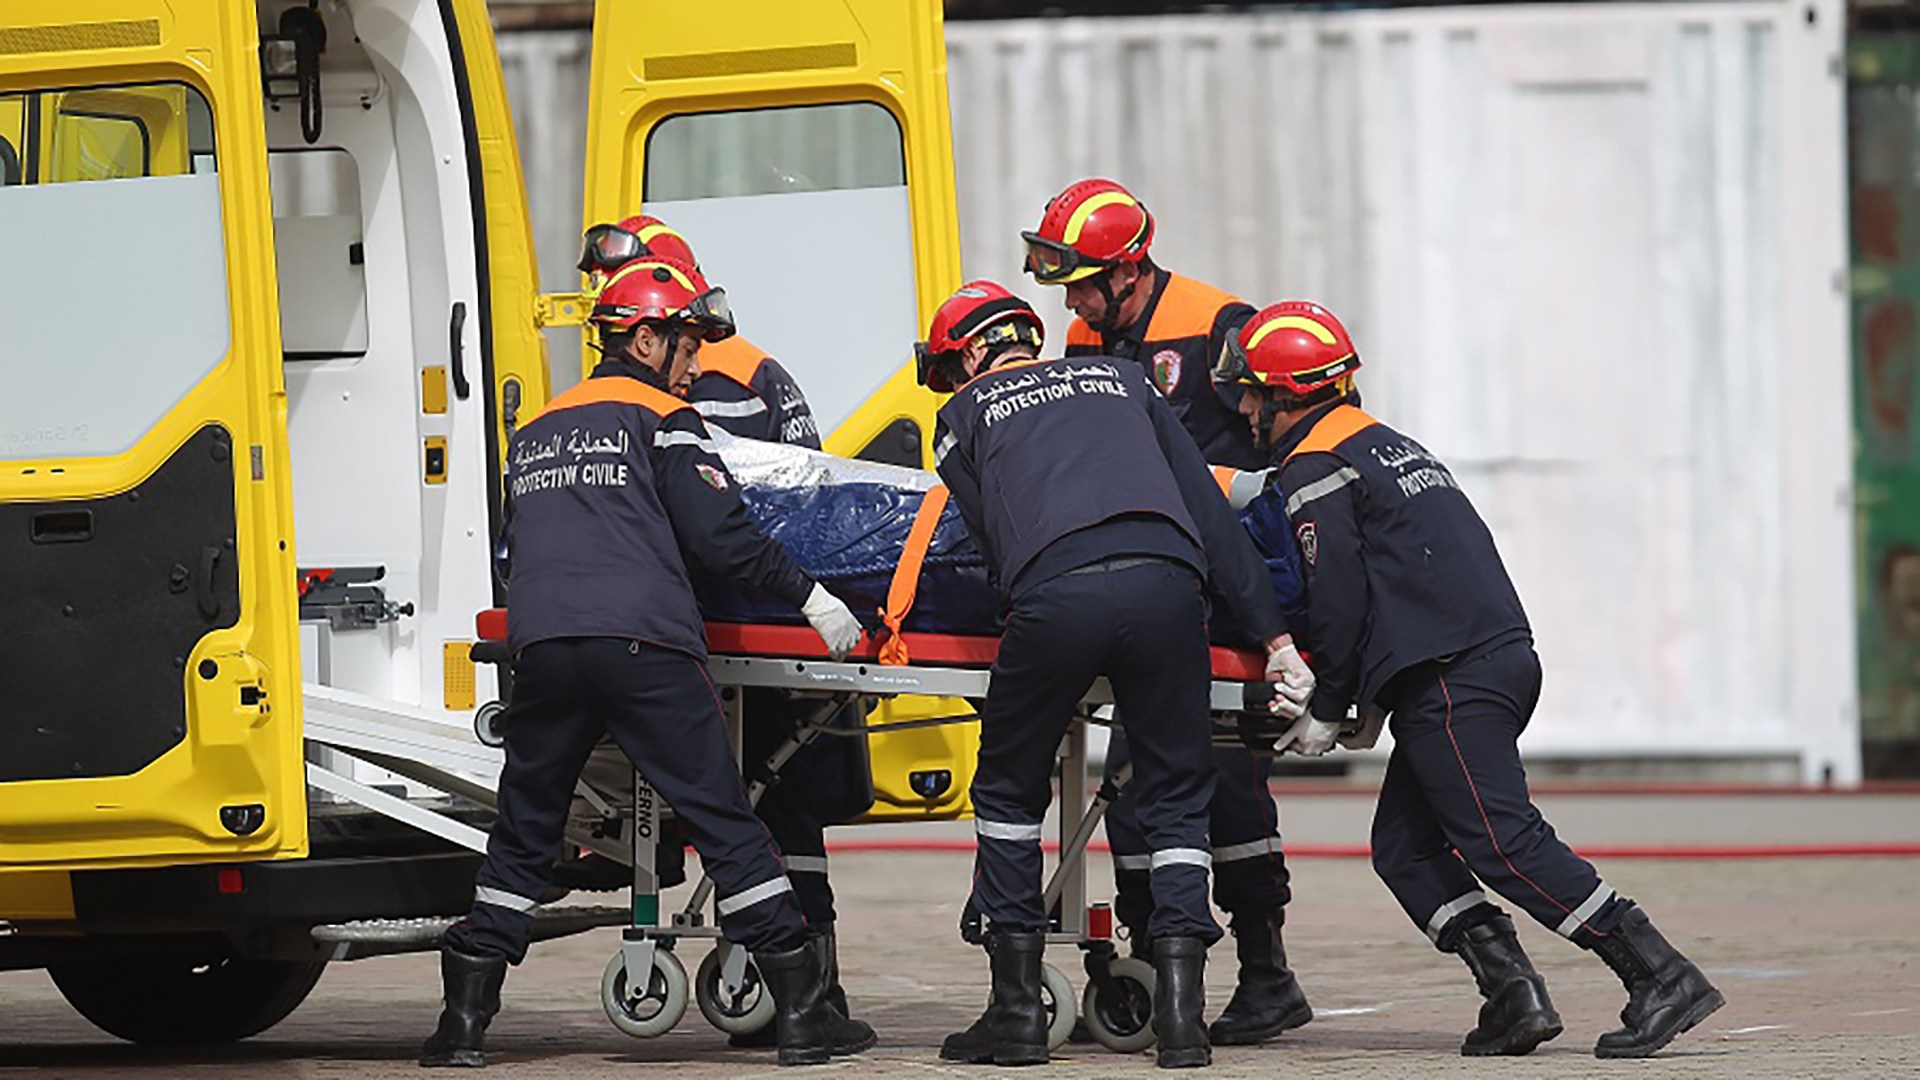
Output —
<point x="800" y="211"/>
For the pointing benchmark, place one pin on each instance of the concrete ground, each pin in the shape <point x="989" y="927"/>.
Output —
<point x="1819" y="960"/>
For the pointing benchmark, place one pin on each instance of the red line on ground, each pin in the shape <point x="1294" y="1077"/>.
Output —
<point x="1293" y="789"/>
<point x="936" y="845"/>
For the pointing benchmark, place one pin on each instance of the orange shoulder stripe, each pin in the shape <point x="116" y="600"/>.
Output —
<point x="616" y="388"/>
<point x="735" y="357"/>
<point x="1187" y="309"/>
<point x="1343" y="423"/>
<point x="1079" y="333"/>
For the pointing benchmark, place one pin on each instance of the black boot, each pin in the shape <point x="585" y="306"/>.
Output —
<point x="1517" y="1015"/>
<point x="1179" y="1001"/>
<point x="1013" y="1030"/>
<point x="1666" y="993"/>
<point x="472" y="997"/>
<point x="822" y="939"/>
<point x="1267" y="1000"/>
<point x="807" y="1030"/>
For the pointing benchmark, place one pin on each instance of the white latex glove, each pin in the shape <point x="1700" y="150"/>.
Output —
<point x="1372" y="719"/>
<point x="832" y="620"/>
<point x="1308" y="737"/>
<point x="1294" y="678"/>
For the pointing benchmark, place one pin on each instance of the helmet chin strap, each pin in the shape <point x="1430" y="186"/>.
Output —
<point x="1110" y="319"/>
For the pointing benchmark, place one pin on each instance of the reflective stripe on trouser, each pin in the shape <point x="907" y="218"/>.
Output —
<point x="659" y="707"/>
<point x="792" y="807"/>
<point x="1454" y="811"/>
<point x="1250" y="877"/>
<point x="1144" y="628"/>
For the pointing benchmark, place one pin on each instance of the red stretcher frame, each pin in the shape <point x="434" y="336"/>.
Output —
<point x="931" y="650"/>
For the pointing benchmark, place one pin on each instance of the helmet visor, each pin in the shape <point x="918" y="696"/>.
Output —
<point x="607" y="248"/>
<point x="711" y="315"/>
<point x="1054" y="263"/>
<point x="1232" y="375"/>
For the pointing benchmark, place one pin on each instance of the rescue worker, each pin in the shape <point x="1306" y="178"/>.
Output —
<point x="614" y="487"/>
<point x="1103" y="527"/>
<point x="739" y="388"/>
<point x="1411" y="613"/>
<point x="743" y="391"/>
<point x="1094" y="240"/>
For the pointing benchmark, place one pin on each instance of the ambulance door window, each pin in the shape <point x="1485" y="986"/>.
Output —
<point x="318" y="247"/>
<point x="795" y="211"/>
<point x="113" y="278"/>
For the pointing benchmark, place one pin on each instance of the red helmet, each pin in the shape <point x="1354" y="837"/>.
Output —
<point x="654" y="288"/>
<point x="1092" y="226"/>
<point x="609" y="247"/>
<point x="1296" y="347"/>
<point x="976" y="309"/>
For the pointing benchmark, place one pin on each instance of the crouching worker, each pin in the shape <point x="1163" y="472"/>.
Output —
<point x="1410" y="613"/>
<point x="612" y="488"/>
<point x="1103" y="526"/>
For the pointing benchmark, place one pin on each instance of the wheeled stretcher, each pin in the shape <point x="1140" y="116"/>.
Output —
<point x="1117" y="1001"/>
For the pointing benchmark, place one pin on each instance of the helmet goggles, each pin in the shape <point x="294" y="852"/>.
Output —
<point x="1233" y="374"/>
<point x="609" y="247"/>
<point x="708" y="314"/>
<point x="1054" y="263"/>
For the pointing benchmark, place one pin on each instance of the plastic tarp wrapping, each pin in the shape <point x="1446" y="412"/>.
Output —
<point x="846" y="522"/>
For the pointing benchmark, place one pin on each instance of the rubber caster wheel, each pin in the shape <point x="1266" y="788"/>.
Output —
<point x="1057" y="997"/>
<point x="490" y="724"/>
<point x="654" y="1011"/>
<point x="1122" y="1019"/>
<point x="741" y="1013"/>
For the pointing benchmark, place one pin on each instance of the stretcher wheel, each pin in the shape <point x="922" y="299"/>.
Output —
<point x="736" y="1014"/>
<point x="1057" y="997"/>
<point x="490" y="724"/>
<point x="654" y="1011"/>
<point x="1122" y="1019"/>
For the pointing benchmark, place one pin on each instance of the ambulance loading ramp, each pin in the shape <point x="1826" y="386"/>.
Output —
<point x="412" y="743"/>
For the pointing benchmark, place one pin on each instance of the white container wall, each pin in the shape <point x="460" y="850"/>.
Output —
<point x="1593" y="256"/>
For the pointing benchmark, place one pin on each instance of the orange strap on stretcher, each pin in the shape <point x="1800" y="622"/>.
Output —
<point x="906" y="575"/>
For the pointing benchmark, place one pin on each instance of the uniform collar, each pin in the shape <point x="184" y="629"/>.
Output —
<point x="1298" y="433"/>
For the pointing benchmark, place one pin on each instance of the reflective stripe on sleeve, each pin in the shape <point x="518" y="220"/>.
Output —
<point x="1321" y="488"/>
<point x="806" y="864"/>
<point x="1133" y="862"/>
<point x="746" y="407"/>
<point x="664" y="439"/>
<point x="944" y="447"/>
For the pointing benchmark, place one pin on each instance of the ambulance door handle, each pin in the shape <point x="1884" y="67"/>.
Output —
<point x="461" y="388"/>
<point x="209" y="602"/>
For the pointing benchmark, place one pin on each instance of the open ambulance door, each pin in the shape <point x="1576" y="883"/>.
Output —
<point x="806" y="154"/>
<point x="147" y="614"/>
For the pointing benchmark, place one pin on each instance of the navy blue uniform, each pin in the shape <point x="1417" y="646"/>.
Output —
<point x="1102" y="524"/>
<point x="1179" y="333"/>
<point x="612" y="487"/>
<point x="1410" y="608"/>
<point x="748" y="393"/>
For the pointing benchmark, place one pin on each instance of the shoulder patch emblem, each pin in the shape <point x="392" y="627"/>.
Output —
<point x="1166" y="370"/>
<point x="715" y="478"/>
<point x="1309" y="543"/>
